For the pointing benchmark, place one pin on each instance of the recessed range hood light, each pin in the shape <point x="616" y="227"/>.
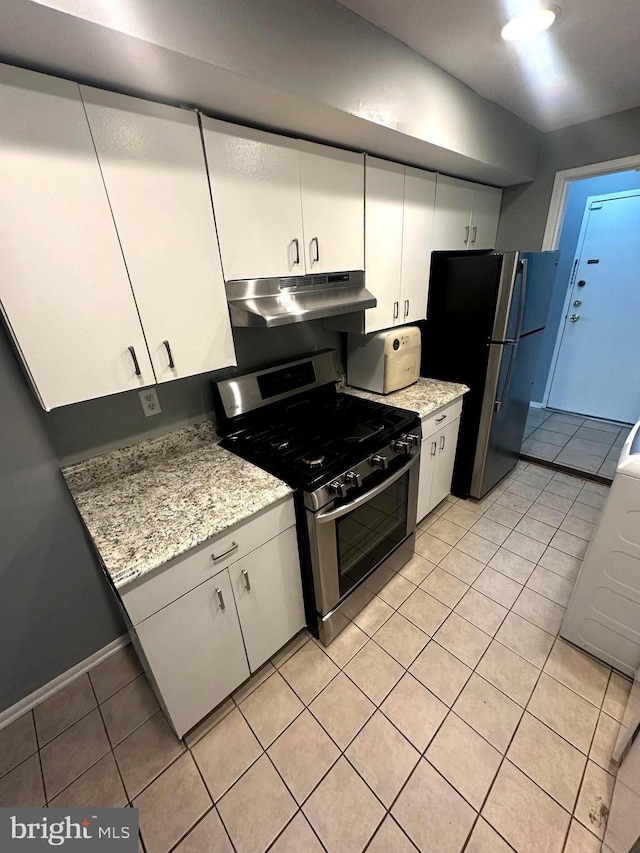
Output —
<point x="529" y="23"/>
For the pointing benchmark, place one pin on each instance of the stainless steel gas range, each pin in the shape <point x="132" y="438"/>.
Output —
<point x="354" y="465"/>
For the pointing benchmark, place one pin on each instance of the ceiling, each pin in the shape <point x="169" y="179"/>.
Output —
<point x="586" y="66"/>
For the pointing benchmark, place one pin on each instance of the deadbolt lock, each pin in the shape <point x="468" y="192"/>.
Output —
<point x="577" y="303"/>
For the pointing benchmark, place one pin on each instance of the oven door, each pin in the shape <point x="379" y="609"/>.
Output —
<point x="351" y="541"/>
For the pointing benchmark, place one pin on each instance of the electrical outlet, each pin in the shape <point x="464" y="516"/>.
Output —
<point x="149" y="402"/>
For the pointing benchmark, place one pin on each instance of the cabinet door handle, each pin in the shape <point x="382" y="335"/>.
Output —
<point x="406" y="307"/>
<point x="245" y="578"/>
<point x="396" y="310"/>
<point x="466" y="235"/>
<point x="316" y="260"/>
<point x="442" y="440"/>
<point x="434" y="447"/>
<point x="220" y="598"/>
<point x="475" y="234"/>
<point x="440" y="419"/>
<point x="134" y="358"/>
<point x="234" y="547"/>
<point x="169" y="354"/>
<point x="296" y="243"/>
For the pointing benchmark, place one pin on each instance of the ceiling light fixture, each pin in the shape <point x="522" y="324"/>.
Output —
<point x="529" y="23"/>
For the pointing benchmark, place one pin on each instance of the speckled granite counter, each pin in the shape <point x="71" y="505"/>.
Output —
<point x="148" y="503"/>
<point x="424" y="396"/>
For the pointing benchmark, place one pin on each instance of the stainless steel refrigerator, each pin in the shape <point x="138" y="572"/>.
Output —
<point x="485" y="323"/>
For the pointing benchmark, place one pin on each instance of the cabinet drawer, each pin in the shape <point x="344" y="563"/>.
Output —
<point x="432" y="423"/>
<point x="177" y="577"/>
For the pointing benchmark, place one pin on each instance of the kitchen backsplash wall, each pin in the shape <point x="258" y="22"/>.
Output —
<point x="55" y="607"/>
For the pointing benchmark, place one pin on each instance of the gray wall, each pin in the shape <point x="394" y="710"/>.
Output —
<point x="55" y="606"/>
<point x="577" y="195"/>
<point x="525" y="208"/>
<point x="309" y="67"/>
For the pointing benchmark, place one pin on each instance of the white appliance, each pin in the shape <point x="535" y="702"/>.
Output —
<point x="386" y="361"/>
<point x="623" y="824"/>
<point x="603" y="616"/>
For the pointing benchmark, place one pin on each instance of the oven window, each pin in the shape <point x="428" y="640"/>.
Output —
<point x="370" y="533"/>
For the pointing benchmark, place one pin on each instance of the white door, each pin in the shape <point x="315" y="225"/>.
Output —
<point x="195" y="652"/>
<point x="484" y="217"/>
<point x="268" y="590"/>
<point x="332" y="184"/>
<point x="63" y="283"/>
<point x="255" y="184"/>
<point x="383" y="240"/>
<point x="154" y="171"/>
<point x="452" y="216"/>
<point x="596" y="372"/>
<point x="447" y="439"/>
<point x="417" y="236"/>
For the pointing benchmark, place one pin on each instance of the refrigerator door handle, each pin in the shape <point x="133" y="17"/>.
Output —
<point x="507" y="380"/>
<point x="523" y="292"/>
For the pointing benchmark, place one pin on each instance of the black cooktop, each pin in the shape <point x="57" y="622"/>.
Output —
<point x="316" y="439"/>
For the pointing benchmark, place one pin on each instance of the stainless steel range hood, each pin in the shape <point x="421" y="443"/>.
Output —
<point x="266" y="302"/>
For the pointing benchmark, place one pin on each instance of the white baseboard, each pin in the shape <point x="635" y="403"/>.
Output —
<point x="533" y="405"/>
<point x="23" y="705"/>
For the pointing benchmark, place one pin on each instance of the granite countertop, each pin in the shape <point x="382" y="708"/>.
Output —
<point x="146" y="504"/>
<point x="424" y="396"/>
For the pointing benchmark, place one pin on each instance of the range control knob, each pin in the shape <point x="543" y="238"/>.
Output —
<point x="338" y="488"/>
<point x="413" y="440"/>
<point x="353" y="478"/>
<point x="401" y="446"/>
<point x="379" y="461"/>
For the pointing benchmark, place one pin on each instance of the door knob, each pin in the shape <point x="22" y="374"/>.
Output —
<point x="577" y="303"/>
<point x="574" y="318"/>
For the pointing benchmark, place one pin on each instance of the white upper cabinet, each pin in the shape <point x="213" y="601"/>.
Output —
<point x="452" y="217"/>
<point x="399" y="222"/>
<point x="154" y="172"/>
<point x="63" y="283"/>
<point x="255" y="184"/>
<point x="484" y="217"/>
<point x="332" y="184"/>
<point x="417" y="236"/>
<point x="383" y="240"/>
<point x="283" y="207"/>
<point x="466" y="215"/>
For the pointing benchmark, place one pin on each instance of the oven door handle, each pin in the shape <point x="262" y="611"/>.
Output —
<point x="332" y="515"/>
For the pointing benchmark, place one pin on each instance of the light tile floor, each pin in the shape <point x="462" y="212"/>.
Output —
<point x="585" y="444"/>
<point x="447" y="717"/>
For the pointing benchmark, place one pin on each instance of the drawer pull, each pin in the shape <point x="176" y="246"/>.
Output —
<point x="434" y="447"/>
<point x="220" y="598"/>
<point x="234" y="547"/>
<point x="440" y="419"/>
<point x="245" y="578"/>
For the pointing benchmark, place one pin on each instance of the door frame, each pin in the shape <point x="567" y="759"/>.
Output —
<point x="557" y="205"/>
<point x="565" y="307"/>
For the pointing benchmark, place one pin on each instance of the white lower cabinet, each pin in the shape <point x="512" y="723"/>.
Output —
<point x="194" y="650"/>
<point x="200" y="646"/>
<point x="439" y="442"/>
<point x="266" y="588"/>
